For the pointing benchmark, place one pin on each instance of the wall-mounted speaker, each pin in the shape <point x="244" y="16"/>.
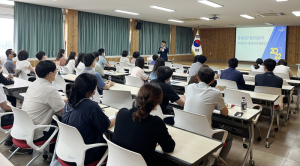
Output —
<point x="139" y="25"/>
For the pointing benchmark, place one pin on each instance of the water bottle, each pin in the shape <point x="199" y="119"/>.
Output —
<point x="109" y="78"/>
<point x="244" y="104"/>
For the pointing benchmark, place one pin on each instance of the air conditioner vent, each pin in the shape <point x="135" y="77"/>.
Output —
<point x="271" y="14"/>
<point x="187" y="19"/>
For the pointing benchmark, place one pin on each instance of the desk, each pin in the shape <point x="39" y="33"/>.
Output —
<point x="133" y="90"/>
<point x="116" y="77"/>
<point x="4" y="161"/>
<point x="181" y="77"/>
<point x="186" y="66"/>
<point x="20" y="86"/>
<point x="70" y="77"/>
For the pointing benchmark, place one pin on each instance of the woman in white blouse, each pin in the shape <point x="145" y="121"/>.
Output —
<point x="79" y="63"/>
<point x="258" y="66"/>
<point x="22" y="63"/>
<point x="70" y="64"/>
<point x="124" y="57"/>
<point x="138" y="71"/>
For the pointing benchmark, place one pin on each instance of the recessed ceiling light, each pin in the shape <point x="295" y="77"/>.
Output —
<point x="162" y="8"/>
<point x="204" y="18"/>
<point x="126" y="12"/>
<point x="281" y="0"/>
<point x="247" y="16"/>
<point x="209" y="3"/>
<point x="296" y="13"/>
<point x="175" y="20"/>
<point x="6" y="2"/>
<point x="268" y="23"/>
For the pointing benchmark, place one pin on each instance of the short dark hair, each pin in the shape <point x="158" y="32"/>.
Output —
<point x="39" y="55"/>
<point x="206" y="75"/>
<point x="96" y="54"/>
<point x="270" y="64"/>
<point x="154" y="57"/>
<point x="196" y="59"/>
<point x="43" y="68"/>
<point x="163" y="41"/>
<point x="259" y="61"/>
<point x="233" y="62"/>
<point x="163" y="73"/>
<point x="282" y="62"/>
<point x="8" y="51"/>
<point x="125" y="53"/>
<point x="140" y="62"/>
<point x="136" y="54"/>
<point x="101" y="51"/>
<point x="202" y="59"/>
<point x="159" y="62"/>
<point x="88" y="59"/>
<point x="22" y="55"/>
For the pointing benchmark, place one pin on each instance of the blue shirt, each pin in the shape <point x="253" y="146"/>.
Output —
<point x="233" y="75"/>
<point x="102" y="61"/>
<point x="9" y="65"/>
<point x="152" y="63"/>
<point x="100" y="81"/>
<point x="164" y="54"/>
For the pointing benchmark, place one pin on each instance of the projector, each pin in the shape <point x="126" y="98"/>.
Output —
<point x="214" y="18"/>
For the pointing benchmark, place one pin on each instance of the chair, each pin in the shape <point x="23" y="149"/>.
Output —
<point x="283" y="75"/>
<point x="188" y="78"/>
<point x="5" y="129"/>
<point x="120" y="156"/>
<point x="23" y="75"/>
<point x="191" y="122"/>
<point x="249" y="79"/>
<point x="59" y="83"/>
<point x="179" y="68"/>
<point x="168" y="64"/>
<point x="254" y="73"/>
<point x="124" y="64"/>
<point x="5" y="70"/>
<point x="65" y="69"/>
<point x="235" y="97"/>
<point x="78" y="71"/>
<point x="134" y="81"/>
<point x="121" y="68"/>
<point x="130" y="69"/>
<point x="229" y="84"/>
<point x="117" y="99"/>
<point x="113" y="63"/>
<point x="151" y="67"/>
<point x="97" y="97"/>
<point x="70" y="146"/>
<point x="158" y="112"/>
<point x="23" y="132"/>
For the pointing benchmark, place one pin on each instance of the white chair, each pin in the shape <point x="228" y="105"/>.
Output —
<point x="97" y="97"/>
<point x="78" y="71"/>
<point x="121" y="68"/>
<point x="151" y="67"/>
<point x="5" y="70"/>
<point x="123" y="157"/>
<point x="23" y="75"/>
<point x="134" y="81"/>
<point x="158" y="112"/>
<point x="169" y="64"/>
<point x="254" y="73"/>
<point x="179" y="68"/>
<point x="59" y="83"/>
<point x="117" y="99"/>
<point x="124" y="64"/>
<point x="188" y="78"/>
<point x="23" y="132"/>
<point x="249" y="79"/>
<point x="70" y="146"/>
<point x="283" y="75"/>
<point x="130" y="69"/>
<point x="229" y="84"/>
<point x="198" y="124"/>
<point x="113" y="63"/>
<point x="65" y="69"/>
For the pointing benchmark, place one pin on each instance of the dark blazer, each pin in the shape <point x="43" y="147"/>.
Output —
<point x="5" y="81"/>
<point x="233" y="75"/>
<point x="268" y="79"/>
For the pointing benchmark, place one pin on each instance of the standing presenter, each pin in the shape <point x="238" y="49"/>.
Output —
<point x="163" y="51"/>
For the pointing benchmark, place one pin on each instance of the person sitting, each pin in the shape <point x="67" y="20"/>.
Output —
<point x="102" y="61"/>
<point x="124" y="58"/>
<point x="154" y="57"/>
<point x="89" y="62"/>
<point x="70" y="64"/>
<point x="194" y="79"/>
<point x="8" y="63"/>
<point x="60" y="58"/>
<point x="283" y="68"/>
<point x="232" y="74"/>
<point x="269" y="78"/>
<point x="196" y="66"/>
<point x="135" y="55"/>
<point x="159" y="62"/>
<point x="138" y="131"/>
<point x="22" y="63"/>
<point x="87" y="116"/>
<point x="79" y="62"/>
<point x="196" y="58"/>
<point x="138" y="71"/>
<point x="41" y="56"/>
<point x="98" y="67"/>
<point x="164" y="74"/>
<point x="203" y="99"/>
<point x="258" y="66"/>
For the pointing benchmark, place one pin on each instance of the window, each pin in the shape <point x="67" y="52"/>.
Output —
<point x="6" y="35"/>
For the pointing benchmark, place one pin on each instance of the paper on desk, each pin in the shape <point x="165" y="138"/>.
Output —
<point x="112" y="116"/>
<point x="62" y="93"/>
<point x="64" y="75"/>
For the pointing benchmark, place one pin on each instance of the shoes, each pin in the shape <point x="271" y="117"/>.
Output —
<point x="8" y="143"/>
<point x="20" y="151"/>
<point x="49" y="159"/>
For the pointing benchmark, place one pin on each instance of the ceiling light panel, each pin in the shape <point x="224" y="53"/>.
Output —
<point x="126" y="12"/>
<point x="172" y="20"/>
<point x="209" y="3"/>
<point x="247" y="16"/>
<point x="162" y="8"/>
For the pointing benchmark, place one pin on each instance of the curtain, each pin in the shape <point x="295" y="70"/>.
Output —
<point x="184" y="40"/>
<point x="151" y="35"/>
<point x="97" y="31"/>
<point x="38" y="28"/>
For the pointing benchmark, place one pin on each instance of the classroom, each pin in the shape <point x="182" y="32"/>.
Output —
<point x="149" y="83"/>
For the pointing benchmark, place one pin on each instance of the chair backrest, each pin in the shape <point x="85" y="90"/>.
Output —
<point x="23" y="75"/>
<point x="65" y="69"/>
<point x="188" y="78"/>
<point x="121" y="68"/>
<point x="130" y="69"/>
<point x="59" y="83"/>
<point x="114" y="63"/>
<point x="249" y="79"/>
<point x="271" y="90"/>
<point x="283" y="75"/>
<point x="134" y="81"/>
<point x="229" y="84"/>
<point x="120" y="156"/>
<point x="117" y="99"/>
<point x="235" y="97"/>
<point x="151" y="67"/>
<point x="78" y="71"/>
<point x="158" y="112"/>
<point x="254" y="73"/>
<point x="168" y="64"/>
<point x="96" y="97"/>
<point x="4" y="70"/>
<point x="124" y="64"/>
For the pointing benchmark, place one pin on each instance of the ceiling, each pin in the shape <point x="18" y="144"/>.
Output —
<point x="228" y="14"/>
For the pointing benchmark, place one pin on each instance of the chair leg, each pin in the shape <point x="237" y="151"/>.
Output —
<point x="278" y="114"/>
<point x="259" y="137"/>
<point x="13" y="153"/>
<point x="32" y="160"/>
<point x="4" y="139"/>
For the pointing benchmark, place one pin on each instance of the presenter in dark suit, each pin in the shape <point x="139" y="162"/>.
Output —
<point x="163" y="51"/>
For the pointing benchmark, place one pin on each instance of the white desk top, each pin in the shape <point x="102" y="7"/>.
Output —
<point x="178" y="83"/>
<point x="284" y="87"/>
<point x="70" y="77"/>
<point x="248" y="114"/>
<point x="113" y="73"/>
<point x="145" y="70"/>
<point x="134" y="90"/>
<point x="287" y="80"/>
<point x="19" y="83"/>
<point x="180" y="74"/>
<point x="186" y="66"/>
<point x="260" y="96"/>
<point x="4" y="161"/>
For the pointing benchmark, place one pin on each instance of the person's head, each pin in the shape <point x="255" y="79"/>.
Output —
<point x="154" y="57"/>
<point x="202" y="59"/>
<point x="136" y="54"/>
<point x="85" y="86"/>
<point x="206" y="75"/>
<point x="269" y="64"/>
<point x="164" y="73"/>
<point x="163" y="43"/>
<point x="159" y="62"/>
<point x="258" y="62"/>
<point x="60" y="54"/>
<point x="10" y="53"/>
<point x="125" y="53"/>
<point x="203" y="66"/>
<point x="71" y="56"/>
<point x="79" y="59"/>
<point x="46" y="69"/>
<point x="22" y="55"/>
<point x="140" y="62"/>
<point x="196" y="59"/>
<point x="96" y="54"/>
<point x="282" y="62"/>
<point x="149" y="97"/>
<point x="233" y="62"/>
<point x="101" y="52"/>
<point x="41" y="55"/>
<point x="89" y="60"/>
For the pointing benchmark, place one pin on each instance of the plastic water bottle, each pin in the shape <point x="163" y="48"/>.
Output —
<point x="109" y="78"/>
<point x="244" y="104"/>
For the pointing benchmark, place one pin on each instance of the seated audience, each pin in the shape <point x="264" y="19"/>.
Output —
<point x="70" y="64"/>
<point x="41" y="56"/>
<point x="194" y="79"/>
<point x="269" y="78"/>
<point x="232" y="74"/>
<point x="203" y="99"/>
<point x="98" y="67"/>
<point x="159" y="62"/>
<point x="258" y="66"/>
<point x="89" y="62"/>
<point x="8" y="63"/>
<point x="138" y="131"/>
<point x="22" y="63"/>
<point x="87" y="116"/>
<point x="196" y="58"/>
<point x="138" y="70"/>
<point x="135" y="55"/>
<point x="283" y="68"/>
<point x="154" y="57"/>
<point x="79" y="62"/>
<point x="197" y="65"/>
<point x="102" y="61"/>
<point x="60" y="58"/>
<point x="124" y="58"/>
<point x="164" y="74"/>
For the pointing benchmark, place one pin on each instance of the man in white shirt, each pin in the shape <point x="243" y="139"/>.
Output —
<point x="203" y="99"/>
<point x="283" y="68"/>
<point x="196" y="66"/>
